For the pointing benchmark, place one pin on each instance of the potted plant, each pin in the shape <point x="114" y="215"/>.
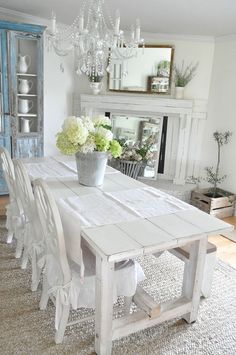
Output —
<point x="134" y="158"/>
<point x="214" y="200"/>
<point x="182" y="76"/>
<point x="95" y="81"/>
<point x="91" y="140"/>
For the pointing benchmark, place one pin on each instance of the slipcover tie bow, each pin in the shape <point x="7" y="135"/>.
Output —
<point x="65" y="296"/>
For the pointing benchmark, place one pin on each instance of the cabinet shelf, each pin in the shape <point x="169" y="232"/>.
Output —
<point x="26" y="74"/>
<point x="27" y="115"/>
<point x="29" y="95"/>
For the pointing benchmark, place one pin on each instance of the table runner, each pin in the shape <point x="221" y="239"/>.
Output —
<point x="112" y="208"/>
<point x="58" y="168"/>
<point x="47" y="170"/>
<point x="71" y="164"/>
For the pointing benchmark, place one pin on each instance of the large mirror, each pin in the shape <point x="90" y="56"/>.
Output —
<point x="149" y="71"/>
<point x="137" y="130"/>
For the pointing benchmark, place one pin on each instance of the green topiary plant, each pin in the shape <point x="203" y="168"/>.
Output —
<point x="213" y="176"/>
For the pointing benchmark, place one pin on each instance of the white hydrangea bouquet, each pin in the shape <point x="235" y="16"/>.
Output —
<point x="86" y="135"/>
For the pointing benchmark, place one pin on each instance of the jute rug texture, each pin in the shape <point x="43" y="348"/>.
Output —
<point x="24" y="329"/>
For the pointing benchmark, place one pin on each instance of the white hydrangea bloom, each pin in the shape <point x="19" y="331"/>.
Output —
<point x="105" y="133"/>
<point x="69" y="122"/>
<point x="89" y="145"/>
<point x="88" y="123"/>
<point x="75" y="130"/>
<point x="101" y="121"/>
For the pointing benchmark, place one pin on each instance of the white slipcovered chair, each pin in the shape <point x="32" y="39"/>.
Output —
<point x="71" y="284"/>
<point x="33" y="242"/>
<point x="14" y="211"/>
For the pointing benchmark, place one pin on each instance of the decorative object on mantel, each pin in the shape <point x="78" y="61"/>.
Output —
<point x="182" y="76"/>
<point x="94" y="41"/>
<point x="215" y="201"/>
<point x="134" y="158"/>
<point x="91" y="141"/>
<point x="95" y="83"/>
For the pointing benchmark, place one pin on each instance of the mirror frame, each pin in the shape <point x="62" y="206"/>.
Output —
<point x="149" y="77"/>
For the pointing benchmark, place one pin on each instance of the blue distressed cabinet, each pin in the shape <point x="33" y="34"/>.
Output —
<point x="21" y="88"/>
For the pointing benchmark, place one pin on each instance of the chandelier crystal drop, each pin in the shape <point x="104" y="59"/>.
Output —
<point x="95" y="38"/>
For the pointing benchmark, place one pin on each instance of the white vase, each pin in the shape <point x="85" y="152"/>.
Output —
<point x="24" y="105"/>
<point x="23" y="64"/>
<point x="96" y="87"/>
<point x="179" y="92"/>
<point x="25" y="86"/>
<point x="25" y="127"/>
<point x="91" y="168"/>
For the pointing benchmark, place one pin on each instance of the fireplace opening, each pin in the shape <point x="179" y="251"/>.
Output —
<point x="136" y="130"/>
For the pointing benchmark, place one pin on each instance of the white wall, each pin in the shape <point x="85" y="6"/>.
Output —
<point x="58" y="96"/>
<point x="222" y="110"/>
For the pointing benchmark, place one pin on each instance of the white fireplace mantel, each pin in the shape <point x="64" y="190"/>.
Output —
<point x="185" y="110"/>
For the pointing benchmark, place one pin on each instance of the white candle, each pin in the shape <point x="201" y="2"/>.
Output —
<point x="117" y="23"/>
<point x="53" y="23"/>
<point x="132" y="33"/>
<point x="137" y="31"/>
<point x="81" y="23"/>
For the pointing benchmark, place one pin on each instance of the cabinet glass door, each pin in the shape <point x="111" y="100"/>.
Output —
<point x="26" y="93"/>
<point x="5" y="140"/>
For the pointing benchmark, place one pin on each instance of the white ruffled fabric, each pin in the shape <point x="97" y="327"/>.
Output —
<point x="81" y="293"/>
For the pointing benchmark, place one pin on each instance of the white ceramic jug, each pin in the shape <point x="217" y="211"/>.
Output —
<point x="24" y="62"/>
<point x="25" y="128"/>
<point x="25" y="86"/>
<point x="24" y="105"/>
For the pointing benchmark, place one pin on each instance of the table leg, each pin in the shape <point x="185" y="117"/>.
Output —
<point x="193" y="276"/>
<point x="104" y="306"/>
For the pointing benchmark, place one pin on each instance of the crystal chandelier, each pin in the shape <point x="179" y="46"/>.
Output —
<point x="95" y="38"/>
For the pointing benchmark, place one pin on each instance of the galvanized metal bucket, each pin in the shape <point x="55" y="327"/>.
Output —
<point x="91" y="167"/>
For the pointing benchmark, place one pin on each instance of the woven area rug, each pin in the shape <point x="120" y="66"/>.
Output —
<point x="24" y="329"/>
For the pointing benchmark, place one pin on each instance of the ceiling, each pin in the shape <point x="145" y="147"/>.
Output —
<point x="184" y="17"/>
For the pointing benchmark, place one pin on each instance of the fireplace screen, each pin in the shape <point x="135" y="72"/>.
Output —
<point x="138" y="131"/>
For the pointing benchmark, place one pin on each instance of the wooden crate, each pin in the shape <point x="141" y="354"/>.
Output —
<point x="4" y="200"/>
<point x="219" y="207"/>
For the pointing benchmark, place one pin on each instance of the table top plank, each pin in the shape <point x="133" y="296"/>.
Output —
<point x="205" y="222"/>
<point x="175" y="226"/>
<point x="145" y="233"/>
<point x="112" y="242"/>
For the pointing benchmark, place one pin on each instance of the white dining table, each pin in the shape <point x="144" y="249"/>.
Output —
<point x="152" y="230"/>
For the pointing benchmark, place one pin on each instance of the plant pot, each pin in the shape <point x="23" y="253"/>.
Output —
<point x="179" y="92"/>
<point x="91" y="168"/>
<point x="96" y="87"/>
<point x="220" y="206"/>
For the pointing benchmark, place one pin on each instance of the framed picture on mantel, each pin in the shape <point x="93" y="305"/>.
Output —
<point x="158" y="84"/>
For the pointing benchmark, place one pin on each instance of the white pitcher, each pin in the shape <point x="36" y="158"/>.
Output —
<point x="24" y="62"/>
<point x="24" y="105"/>
<point x="25" y="86"/>
<point x="25" y="127"/>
